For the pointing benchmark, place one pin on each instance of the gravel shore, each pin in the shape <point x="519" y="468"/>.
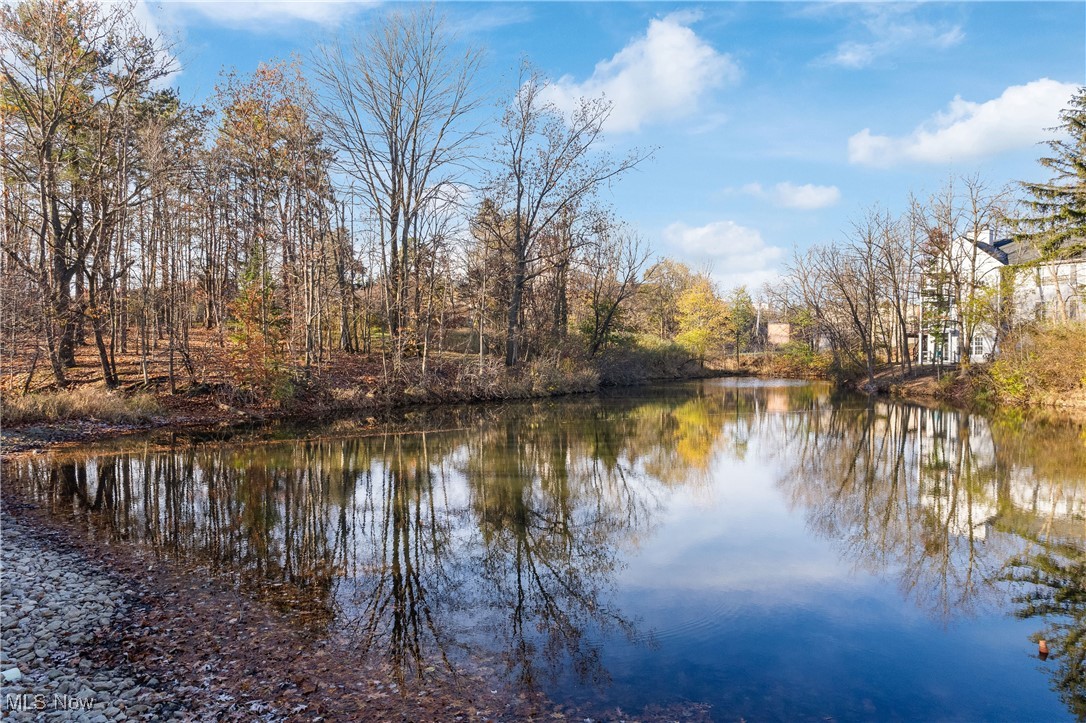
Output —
<point x="90" y="632"/>
<point x="54" y="607"/>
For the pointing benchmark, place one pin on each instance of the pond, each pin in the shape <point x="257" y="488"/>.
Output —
<point x="763" y="550"/>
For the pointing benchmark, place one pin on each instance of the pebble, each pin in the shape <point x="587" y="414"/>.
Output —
<point x="51" y="604"/>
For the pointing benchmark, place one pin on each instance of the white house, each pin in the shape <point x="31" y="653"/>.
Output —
<point x="993" y="268"/>
<point x="1052" y="290"/>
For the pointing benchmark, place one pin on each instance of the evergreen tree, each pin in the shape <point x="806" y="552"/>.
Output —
<point x="742" y="321"/>
<point x="1056" y="217"/>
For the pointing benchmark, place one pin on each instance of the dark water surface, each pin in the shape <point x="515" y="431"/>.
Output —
<point x="761" y="550"/>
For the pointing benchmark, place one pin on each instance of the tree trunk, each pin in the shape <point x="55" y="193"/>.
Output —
<point x="512" y="327"/>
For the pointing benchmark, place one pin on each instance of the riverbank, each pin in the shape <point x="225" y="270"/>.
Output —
<point x="203" y="412"/>
<point x="971" y="389"/>
<point x="57" y="610"/>
<point x="97" y="632"/>
<point x="352" y="386"/>
<point x="1038" y="368"/>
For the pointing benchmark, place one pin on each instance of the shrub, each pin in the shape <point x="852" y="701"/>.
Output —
<point x="645" y="357"/>
<point x="257" y="361"/>
<point x="1040" y="362"/>
<point x="796" y="359"/>
<point x="85" y="402"/>
<point x="561" y="376"/>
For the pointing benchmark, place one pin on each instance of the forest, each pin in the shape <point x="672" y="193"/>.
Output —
<point x="347" y="204"/>
<point x="357" y="224"/>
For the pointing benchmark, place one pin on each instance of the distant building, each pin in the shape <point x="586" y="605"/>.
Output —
<point x="778" y="333"/>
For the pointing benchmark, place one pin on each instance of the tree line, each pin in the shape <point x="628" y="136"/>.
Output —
<point x="362" y="201"/>
<point x="359" y="201"/>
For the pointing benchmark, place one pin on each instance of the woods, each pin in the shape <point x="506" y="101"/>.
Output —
<point x="369" y="211"/>
<point x="355" y="202"/>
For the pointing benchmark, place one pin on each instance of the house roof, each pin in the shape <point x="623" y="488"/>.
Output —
<point x="1018" y="253"/>
<point x="994" y="251"/>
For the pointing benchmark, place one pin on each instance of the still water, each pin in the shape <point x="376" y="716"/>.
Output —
<point x="759" y="550"/>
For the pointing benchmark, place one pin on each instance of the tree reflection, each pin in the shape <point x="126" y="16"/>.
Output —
<point x="1055" y="579"/>
<point x="554" y="504"/>
<point x="405" y="572"/>
<point x="908" y="489"/>
<point x="500" y="538"/>
<point x="948" y="501"/>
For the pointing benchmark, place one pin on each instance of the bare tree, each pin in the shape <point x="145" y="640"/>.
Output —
<point x="612" y="265"/>
<point x="72" y="69"/>
<point x="395" y="104"/>
<point x="898" y="251"/>
<point x="958" y="227"/>
<point x="547" y="165"/>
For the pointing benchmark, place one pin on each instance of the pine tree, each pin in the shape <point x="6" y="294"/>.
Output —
<point x="1056" y="218"/>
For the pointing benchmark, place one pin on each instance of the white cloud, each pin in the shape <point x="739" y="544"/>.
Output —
<point x="1020" y="117"/>
<point x="661" y="75"/>
<point x="753" y="280"/>
<point x="262" y="14"/>
<point x="490" y="17"/>
<point x="890" y="28"/>
<point x="807" y="197"/>
<point x="146" y="20"/>
<point x="736" y="254"/>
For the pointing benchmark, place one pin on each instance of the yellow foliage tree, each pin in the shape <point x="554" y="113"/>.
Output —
<point x="703" y="319"/>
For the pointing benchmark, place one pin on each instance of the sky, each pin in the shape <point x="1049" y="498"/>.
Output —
<point x="773" y="125"/>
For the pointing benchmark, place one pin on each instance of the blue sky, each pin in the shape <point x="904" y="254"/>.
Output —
<point x="775" y="123"/>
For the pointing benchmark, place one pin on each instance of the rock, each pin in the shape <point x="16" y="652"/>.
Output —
<point x="53" y="603"/>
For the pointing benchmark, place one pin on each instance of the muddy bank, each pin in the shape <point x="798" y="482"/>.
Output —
<point x="969" y="390"/>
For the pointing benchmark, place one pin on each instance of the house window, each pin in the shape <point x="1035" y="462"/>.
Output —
<point x="978" y="346"/>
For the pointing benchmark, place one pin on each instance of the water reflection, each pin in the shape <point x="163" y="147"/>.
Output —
<point x="501" y="540"/>
<point x="1055" y="593"/>
<point x="906" y="489"/>
<point x="952" y="504"/>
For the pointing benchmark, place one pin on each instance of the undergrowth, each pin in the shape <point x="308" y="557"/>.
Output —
<point x="83" y="402"/>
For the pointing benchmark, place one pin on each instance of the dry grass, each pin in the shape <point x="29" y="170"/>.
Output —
<point x="795" y="360"/>
<point x="1041" y="364"/>
<point x="343" y="382"/>
<point x="84" y="402"/>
